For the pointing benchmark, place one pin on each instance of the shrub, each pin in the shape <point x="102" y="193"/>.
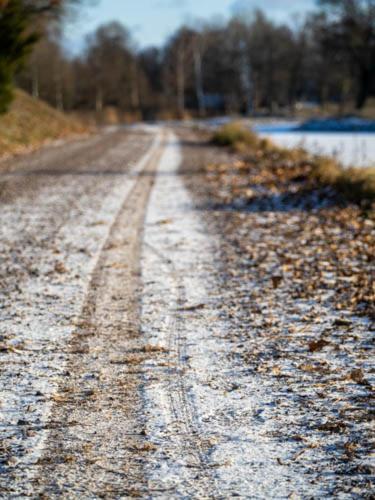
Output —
<point x="235" y="135"/>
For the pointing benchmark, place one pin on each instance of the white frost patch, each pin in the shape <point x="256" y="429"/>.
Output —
<point x="205" y="414"/>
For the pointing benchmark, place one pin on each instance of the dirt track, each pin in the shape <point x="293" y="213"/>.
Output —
<point x="127" y="353"/>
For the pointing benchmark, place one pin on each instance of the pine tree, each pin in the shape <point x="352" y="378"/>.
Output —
<point x="16" y="41"/>
<point x="22" y="22"/>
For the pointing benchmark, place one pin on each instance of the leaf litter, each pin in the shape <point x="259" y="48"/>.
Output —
<point x="298" y="268"/>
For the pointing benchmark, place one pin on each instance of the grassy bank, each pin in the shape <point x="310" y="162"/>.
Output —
<point x="358" y="184"/>
<point x="31" y="123"/>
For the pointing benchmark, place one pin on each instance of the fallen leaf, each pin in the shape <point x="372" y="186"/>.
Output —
<point x="276" y="280"/>
<point x="60" y="268"/>
<point x="317" y="345"/>
<point x="342" y="322"/>
<point x="357" y="376"/>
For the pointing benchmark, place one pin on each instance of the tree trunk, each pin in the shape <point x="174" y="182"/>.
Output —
<point x="35" y="82"/>
<point x="323" y="94"/>
<point x="245" y="71"/>
<point x="134" y="87"/>
<point x="270" y="82"/>
<point x="364" y="87"/>
<point x="199" y="80"/>
<point x="59" y="92"/>
<point x="181" y="82"/>
<point x="99" y="100"/>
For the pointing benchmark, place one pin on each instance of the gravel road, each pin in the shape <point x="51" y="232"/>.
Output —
<point x="127" y="355"/>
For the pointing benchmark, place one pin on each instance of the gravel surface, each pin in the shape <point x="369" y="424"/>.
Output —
<point x="178" y="322"/>
<point x="57" y="208"/>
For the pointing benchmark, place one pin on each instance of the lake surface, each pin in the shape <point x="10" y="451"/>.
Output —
<point x="349" y="148"/>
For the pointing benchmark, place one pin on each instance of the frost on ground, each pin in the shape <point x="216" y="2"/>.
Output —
<point x="57" y="207"/>
<point x="226" y="410"/>
<point x="206" y="335"/>
<point x="298" y="271"/>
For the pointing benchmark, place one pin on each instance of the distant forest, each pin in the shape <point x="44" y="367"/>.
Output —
<point x="249" y="65"/>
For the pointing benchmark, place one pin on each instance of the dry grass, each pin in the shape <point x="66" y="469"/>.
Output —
<point x="236" y="136"/>
<point x="354" y="183"/>
<point x="361" y="181"/>
<point x="31" y="123"/>
<point x="357" y="184"/>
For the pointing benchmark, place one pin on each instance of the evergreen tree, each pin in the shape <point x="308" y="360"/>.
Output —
<point x="16" y="42"/>
<point x="22" y="22"/>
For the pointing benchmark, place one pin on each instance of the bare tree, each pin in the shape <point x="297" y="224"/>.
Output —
<point x="349" y="32"/>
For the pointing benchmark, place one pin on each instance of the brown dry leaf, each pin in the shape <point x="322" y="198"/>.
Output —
<point x="307" y="367"/>
<point x="153" y="348"/>
<point x="192" y="307"/>
<point x="318" y="345"/>
<point x="130" y="359"/>
<point x="164" y="221"/>
<point x="60" y="268"/>
<point x="59" y="398"/>
<point x="357" y="376"/>
<point x="342" y="322"/>
<point x="350" y="448"/>
<point x="276" y="280"/>
<point x="331" y="426"/>
<point x="117" y="265"/>
<point x="144" y="447"/>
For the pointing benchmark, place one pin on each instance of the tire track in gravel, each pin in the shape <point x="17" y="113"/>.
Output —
<point x="181" y="403"/>
<point x="182" y="465"/>
<point x="18" y="464"/>
<point x="97" y="444"/>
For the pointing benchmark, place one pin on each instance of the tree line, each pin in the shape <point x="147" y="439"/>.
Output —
<point x="249" y="64"/>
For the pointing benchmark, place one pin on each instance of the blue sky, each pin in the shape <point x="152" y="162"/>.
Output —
<point x="152" y="21"/>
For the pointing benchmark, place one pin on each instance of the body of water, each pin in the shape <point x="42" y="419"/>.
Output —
<point x="349" y="148"/>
